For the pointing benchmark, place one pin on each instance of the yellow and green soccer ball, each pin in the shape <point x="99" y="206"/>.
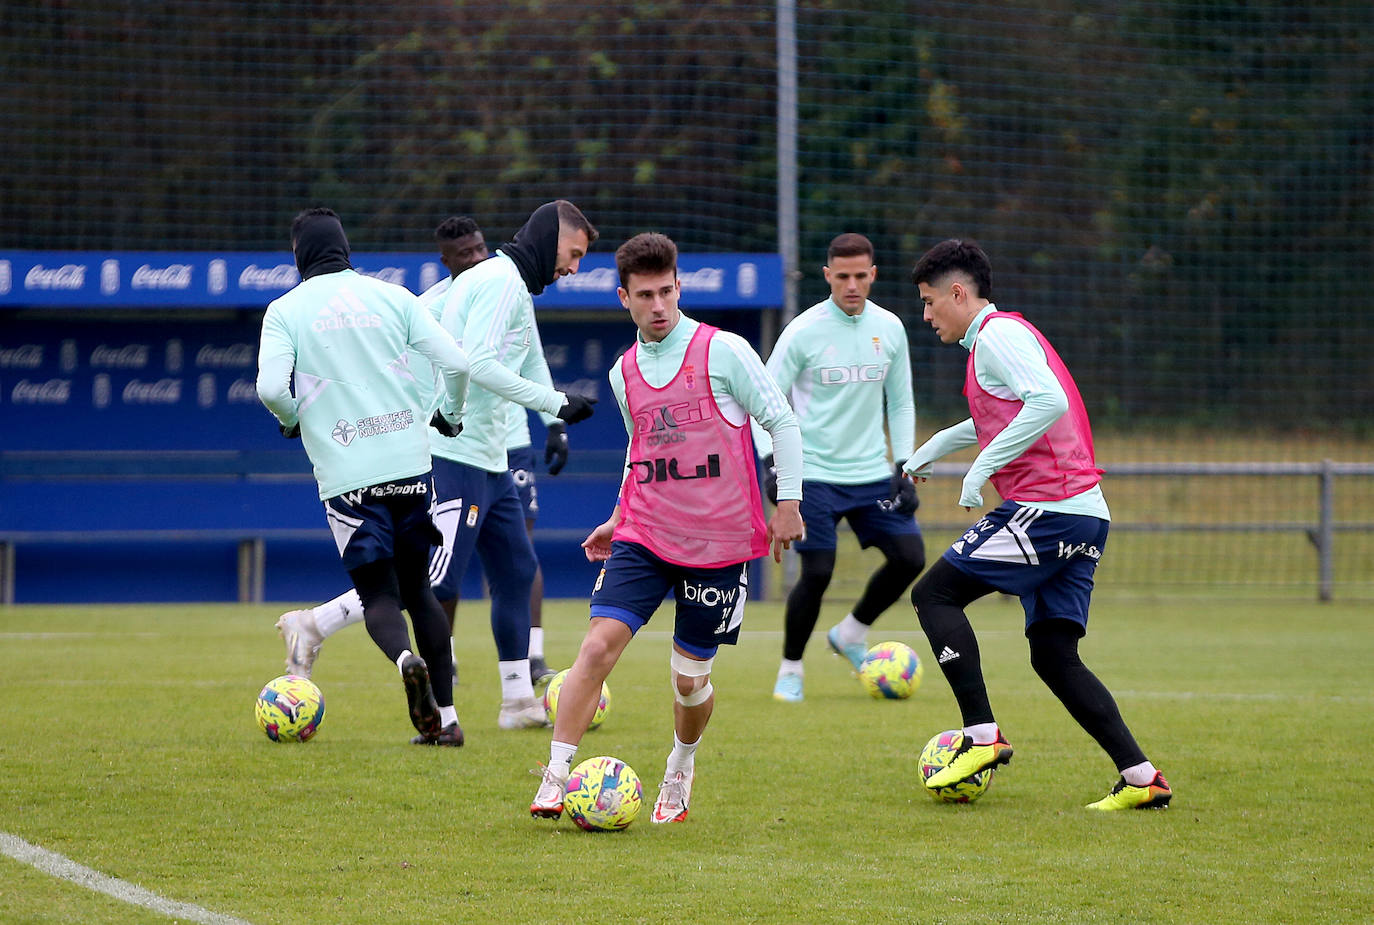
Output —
<point x="938" y="753"/>
<point x="604" y="794"/>
<point x="891" y="671"/>
<point x="551" y="700"/>
<point x="290" y="709"/>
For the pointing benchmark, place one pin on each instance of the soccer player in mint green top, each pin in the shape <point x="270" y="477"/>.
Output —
<point x="1042" y="543"/>
<point x="844" y="365"/>
<point x="358" y="408"/>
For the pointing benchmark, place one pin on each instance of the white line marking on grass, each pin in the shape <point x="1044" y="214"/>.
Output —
<point x="36" y="635"/>
<point x="50" y="862"/>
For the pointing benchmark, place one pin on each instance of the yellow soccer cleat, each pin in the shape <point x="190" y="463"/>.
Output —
<point x="969" y="760"/>
<point x="1154" y="795"/>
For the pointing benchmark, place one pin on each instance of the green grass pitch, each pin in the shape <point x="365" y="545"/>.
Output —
<point x="127" y="743"/>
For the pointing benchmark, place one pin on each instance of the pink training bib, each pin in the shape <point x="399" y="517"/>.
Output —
<point x="692" y="496"/>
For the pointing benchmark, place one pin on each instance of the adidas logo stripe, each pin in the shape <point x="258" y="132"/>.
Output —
<point x="947" y="655"/>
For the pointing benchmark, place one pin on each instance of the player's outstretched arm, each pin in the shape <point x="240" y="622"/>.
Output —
<point x="597" y="545"/>
<point x="785" y="527"/>
<point x="940" y="445"/>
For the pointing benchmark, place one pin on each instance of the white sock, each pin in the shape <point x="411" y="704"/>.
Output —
<point x="849" y="630"/>
<point x="561" y="758"/>
<point x="515" y="680"/>
<point x="448" y="715"/>
<point x="789" y="666"/>
<point x="536" y="642"/>
<point x="344" y="610"/>
<point x="982" y="733"/>
<point x="1138" y="775"/>
<point x="401" y="658"/>
<point x="682" y="758"/>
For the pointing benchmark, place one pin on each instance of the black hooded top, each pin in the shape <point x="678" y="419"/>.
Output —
<point x="535" y="248"/>
<point x="321" y="246"/>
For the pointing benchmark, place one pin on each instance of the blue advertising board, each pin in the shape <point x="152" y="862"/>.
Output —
<point x="147" y="279"/>
<point x="149" y="421"/>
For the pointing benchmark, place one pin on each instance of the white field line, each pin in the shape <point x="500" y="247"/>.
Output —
<point x="58" y="866"/>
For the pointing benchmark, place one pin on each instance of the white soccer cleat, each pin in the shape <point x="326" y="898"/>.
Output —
<point x="527" y="713"/>
<point x="673" y="794"/>
<point x="303" y="641"/>
<point x="548" y="799"/>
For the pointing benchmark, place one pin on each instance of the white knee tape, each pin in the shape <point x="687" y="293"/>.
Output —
<point x="696" y="697"/>
<point x="699" y="670"/>
<point x="691" y="667"/>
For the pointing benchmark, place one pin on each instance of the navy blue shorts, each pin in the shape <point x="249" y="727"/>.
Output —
<point x="476" y="509"/>
<point x="370" y="524"/>
<point x="521" y="462"/>
<point x="1046" y="559"/>
<point x="710" y="601"/>
<point x="866" y="507"/>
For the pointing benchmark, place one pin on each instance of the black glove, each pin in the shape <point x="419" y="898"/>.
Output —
<point x="441" y="424"/>
<point x="902" y="494"/>
<point x="770" y="479"/>
<point x="290" y="433"/>
<point x="575" y="408"/>
<point x="556" y="448"/>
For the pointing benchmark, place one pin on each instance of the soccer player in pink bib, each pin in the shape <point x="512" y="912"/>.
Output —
<point x="1042" y="543"/>
<point x="689" y="517"/>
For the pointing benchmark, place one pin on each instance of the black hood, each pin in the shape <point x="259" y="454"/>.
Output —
<point x="321" y="247"/>
<point x="535" y="248"/>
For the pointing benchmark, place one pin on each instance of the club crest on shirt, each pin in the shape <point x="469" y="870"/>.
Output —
<point x="689" y="373"/>
<point x="877" y="347"/>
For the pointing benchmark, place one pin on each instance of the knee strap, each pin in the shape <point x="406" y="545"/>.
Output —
<point x="699" y="670"/>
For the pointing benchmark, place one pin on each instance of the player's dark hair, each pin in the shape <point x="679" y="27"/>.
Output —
<point x="304" y="216"/>
<point x="955" y="256"/>
<point x="455" y="227"/>
<point x="849" y="245"/>
<point x="645" y="253"/>
<point x="570" y="216"/>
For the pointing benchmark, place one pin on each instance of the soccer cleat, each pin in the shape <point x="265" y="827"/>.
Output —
<point x="522" y="714"/>
<point x="540" y="672"/>
<point x="451" y="735"/>
<point x="789" y="688"/>
<point x="854" y="652"/>
<point x="303" y="641"/>
<point x="673" y="794"/>
<point x="1154" y="795"/>
<point x="424" y="710"/>
<point x="548" y="799"/>
<point x="969" y="760"/>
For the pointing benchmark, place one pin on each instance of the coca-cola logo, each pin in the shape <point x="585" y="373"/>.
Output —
<point x="161" y="392"/>
<point x="225" y="357"/>
<point x="602" y="279"/>
<point x="174" y="276"/>
<point x="25" y="356"/>
<point x="283" y="276"/>
<point x="707" y="279"/>
<point x="130" y="356"/>
<point x="52" y="392"/>
<point x="396" y="275"/>
<point x="68" y="276"/>
<point x="243" y="392"/>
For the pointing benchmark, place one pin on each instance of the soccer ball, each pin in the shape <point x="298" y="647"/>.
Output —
<point x="290" y="709"/>
<point x="891" y="671"/>
<point x="551" y="700"/>
<point x="604" y="794"/>
<point x="938" y="753"/>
